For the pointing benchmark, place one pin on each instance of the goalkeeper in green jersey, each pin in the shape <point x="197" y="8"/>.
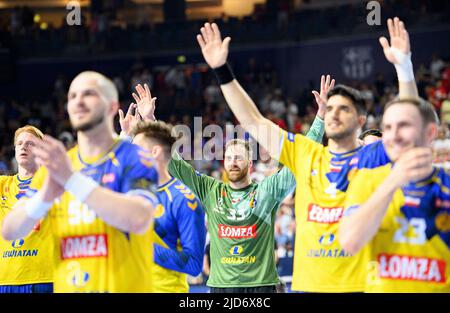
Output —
<point x="240" y="213"/>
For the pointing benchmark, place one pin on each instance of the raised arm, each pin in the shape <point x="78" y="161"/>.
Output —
<point x="398" y="52"/>
<point x="215" y="52"/>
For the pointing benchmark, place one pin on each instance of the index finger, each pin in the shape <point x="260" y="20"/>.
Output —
<point x="216" y="31"/>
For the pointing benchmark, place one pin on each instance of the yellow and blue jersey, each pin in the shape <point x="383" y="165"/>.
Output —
<point x="320" y="263"/>
<point x="90" y="255"/>
<point x="179" y="237"/>
<point x="410" y="252"/>
<point x="27" y="260"/>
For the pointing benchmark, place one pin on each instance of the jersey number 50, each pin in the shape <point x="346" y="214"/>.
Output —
<point x="80" y="213"/>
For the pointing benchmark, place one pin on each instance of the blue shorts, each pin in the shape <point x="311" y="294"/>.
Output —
<point x="30" y="288"/>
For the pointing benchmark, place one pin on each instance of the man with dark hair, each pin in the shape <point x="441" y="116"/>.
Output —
<point x="320" y="263"/>
<point x="179" y="231"/>
<point x="370" y="136"/>
<point x="397" y="205"/>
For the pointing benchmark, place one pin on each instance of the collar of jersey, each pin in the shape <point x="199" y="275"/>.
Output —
<point x="23" y="180"/>
<point x="344" y="154"/>
<point x="98" y="159"/>
<point x="165" y="185"/>
<point x="241" y="189"/>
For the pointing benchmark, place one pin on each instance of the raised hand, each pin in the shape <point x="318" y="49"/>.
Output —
<point x="145" y="103"/>
<point x="321" y="98"/>
<point x="129" y="121"/>
<point x="399" y="41"/>
<point x="214" y="50"/>
<point x="413" y="165"/>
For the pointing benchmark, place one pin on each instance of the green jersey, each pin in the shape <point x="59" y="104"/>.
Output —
<point x="241" y="222"/>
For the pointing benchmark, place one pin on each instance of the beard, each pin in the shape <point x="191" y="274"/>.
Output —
<point x="345" y="133"/>
<point x="96" y="120"/>
<point x="235" y="177"/>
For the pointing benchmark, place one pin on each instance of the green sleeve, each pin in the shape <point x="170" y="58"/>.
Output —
<point x="316" y="130"/>
<point x="200" y="184"/>
<point x="280" y="184"/>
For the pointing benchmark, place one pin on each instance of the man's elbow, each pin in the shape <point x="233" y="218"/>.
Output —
<point x="141" y="222"/>
<point x="348" y="242"/>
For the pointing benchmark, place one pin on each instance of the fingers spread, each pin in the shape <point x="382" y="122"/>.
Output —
<point x="147" y="91"/>
<point x="201" y="42"/>
<point x="216" y="31"/>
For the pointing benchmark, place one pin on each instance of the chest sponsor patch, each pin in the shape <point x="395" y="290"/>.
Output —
<point x="87" y="246"/>
<point x="226" y="231"/>
<point x="317" y="214"/>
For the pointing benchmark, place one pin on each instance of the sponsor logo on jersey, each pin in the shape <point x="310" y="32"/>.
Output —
<point x="226" y="231"/>
<point x="108" y="178"/>
<point x="236" y="250"/>
<point x="318" y="214"/>
<point x="326" y="239"/>
<point x="412" y="201"/>
<point x="159" y="211"/>
<point x="238" y="260"/>
<point x="17" y="243"/>
<point x="291" y="137"/>
<point x="328" y="253"/>
<point x="87" y="246"/>
<point x="403" y="267"/>
<point x="443" y="222"/>
<point x="443" y="203"/>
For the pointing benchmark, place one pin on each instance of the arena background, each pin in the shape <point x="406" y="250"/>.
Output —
<point x="279" y="50"/>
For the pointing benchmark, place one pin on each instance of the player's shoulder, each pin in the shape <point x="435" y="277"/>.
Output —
<point x="6" y="178"/>
<point x="181" y="191"/>
<point x="131" y="154"/>
<point x="444" y="180"/>
<point x="371" y="156"/>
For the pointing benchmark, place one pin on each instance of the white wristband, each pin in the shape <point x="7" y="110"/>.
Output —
<point x="36" y="208"/>
<point x="80" y="186"/>
<point x="125" y="137"/>
<point x="404" y="68"/>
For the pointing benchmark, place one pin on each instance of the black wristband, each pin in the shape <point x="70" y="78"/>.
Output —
<point x="224" y="74"/>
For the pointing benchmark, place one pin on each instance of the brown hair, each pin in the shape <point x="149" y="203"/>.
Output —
<point x="28" y="129"/>
<point x="240" y="142"/>
<point x="159" y="132"/>
<point x="425" y="108"/>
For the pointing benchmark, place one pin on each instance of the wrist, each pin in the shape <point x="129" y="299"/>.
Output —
<point x="36" y="208"/>
<point x="80" y="186"/>
<point x="403" y="67"/>
<point x="224" y="74"/>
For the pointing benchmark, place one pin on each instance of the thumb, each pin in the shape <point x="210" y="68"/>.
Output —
<point x="226" y="43"/>
<point x="317" y="96"/>
<point x="384" y="43"/>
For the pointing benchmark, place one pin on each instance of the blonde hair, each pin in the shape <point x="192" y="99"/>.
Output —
<point x="28" y="129"/>
<point x="104" y="84"/>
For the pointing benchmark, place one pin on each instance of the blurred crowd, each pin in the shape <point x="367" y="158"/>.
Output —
<point x="114" y="30"/>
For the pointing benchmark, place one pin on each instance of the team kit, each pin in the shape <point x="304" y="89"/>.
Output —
<point x="126" y="213"/>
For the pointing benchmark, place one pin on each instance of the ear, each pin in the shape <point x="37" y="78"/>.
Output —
<point x="157" y="152"/>
<point x="250" y="163"/>
<point x="362" y="119"/>
<point x="114" y="108"/>
<point x="431" y="132"/>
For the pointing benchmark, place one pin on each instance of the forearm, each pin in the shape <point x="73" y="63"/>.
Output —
<point x="17" y="224"/>
<point x="316" y="130"/>
<point x="128" y="213"/>
<point x="357" y="229"/>
<point x="179" y="261"/>
<point x="407" y="90"/>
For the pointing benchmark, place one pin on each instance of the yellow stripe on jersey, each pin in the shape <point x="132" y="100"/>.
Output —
<point x="320" y="264"/>
<point x="27" y="260"/>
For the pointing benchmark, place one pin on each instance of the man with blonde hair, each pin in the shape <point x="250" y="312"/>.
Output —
<point x="97" y="196"/>
<point x="26" y="263"/>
